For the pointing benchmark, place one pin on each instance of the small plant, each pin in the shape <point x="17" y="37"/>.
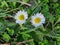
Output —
<point x="29" y="22"/>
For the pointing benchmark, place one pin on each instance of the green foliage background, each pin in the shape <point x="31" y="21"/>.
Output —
<point x="48" y="34"/>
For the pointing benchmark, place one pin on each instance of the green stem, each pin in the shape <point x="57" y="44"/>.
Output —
<point x="21" y="26"/>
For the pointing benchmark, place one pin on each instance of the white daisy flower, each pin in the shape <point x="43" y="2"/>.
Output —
<point x="37" y="19"/>
<point x="21" y="17"/>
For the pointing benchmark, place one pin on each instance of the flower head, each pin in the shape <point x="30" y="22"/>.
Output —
<point x="37" y="20"/>
<point x="21" y="17"/>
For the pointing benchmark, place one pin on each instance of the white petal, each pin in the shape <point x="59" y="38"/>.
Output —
<point x="19" y="13"/>
<point x="40" y="16"/>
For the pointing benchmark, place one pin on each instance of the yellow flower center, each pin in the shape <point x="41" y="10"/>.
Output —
<point x="37" y="20"/>
<point x="21" y="17"/>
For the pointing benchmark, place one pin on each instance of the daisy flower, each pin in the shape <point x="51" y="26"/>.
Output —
<point x="21" y="17"/>
<point x="37" y="20"/>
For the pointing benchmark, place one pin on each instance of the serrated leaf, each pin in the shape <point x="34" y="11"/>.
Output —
<point x="25" y="36"/>
<point x="6" y="37"/>
<point x="4" y="3"/>
<point x="10" y="31"/>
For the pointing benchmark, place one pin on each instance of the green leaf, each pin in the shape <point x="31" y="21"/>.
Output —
<point x="57" y="11"/>
<point x="56" y="5"/>
<point x="2" y="28"/>
<point x="57" y="27"/>
<point x="9" y="24"/>
<point x="42" y="28"/>
<point x="25" y="36"/>
<point x="10" y="31"/>
<point x="6" y="37"/>
<point x="58" y="41"/>
<point x="45" y="42"/>
<point x="4" y="15"/>
<point x="58" y="20"/>
<point x="51" y="19"/>
<point x="31" y="43"/>
<point x="26" y="0"/>
<point x="46" y="1"/>
<point x="37" y="36"/>
<point x="13" y="4"/>
<point x="4" y="3"/>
